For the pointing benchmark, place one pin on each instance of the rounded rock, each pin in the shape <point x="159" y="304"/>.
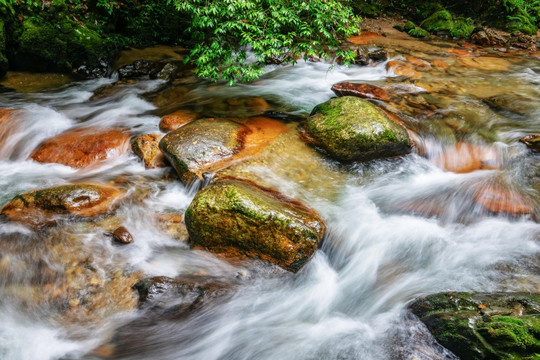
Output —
<point x="240" y="218"/>
<point x="349" y="128"/>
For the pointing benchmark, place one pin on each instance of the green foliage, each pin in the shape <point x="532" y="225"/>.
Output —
<point x="223" y="31"/>
<point x="11" y="6"/>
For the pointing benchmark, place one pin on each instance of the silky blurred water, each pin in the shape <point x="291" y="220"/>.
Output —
<point x="349" y="301"/>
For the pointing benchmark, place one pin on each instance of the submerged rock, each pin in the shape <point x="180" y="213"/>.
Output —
<point x="147" y="148"/>
<point x="47" y="206"/>
<point x="188" y="293"/>
<point x="511" y="102"/>
<point x="173" y="225"/>
<point x="483" y="325"/>
<point x="239" y="218"/>
<point x="464" y="157"/>
<point x="82" y="147"/>
<point x="176" y="120"/>
<point x="403" y="69"/>
<point x="6" y="125"/>
<point x="349" y="128"/>
<point x="208" y="145"/>
<point x="496" y="198"/>
<point x="484" y="63"/>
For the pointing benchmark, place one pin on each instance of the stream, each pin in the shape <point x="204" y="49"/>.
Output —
<point x="398" y="228"/>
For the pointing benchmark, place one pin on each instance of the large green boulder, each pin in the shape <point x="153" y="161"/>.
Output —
<point x="53" y="42"/>
<point x="483" y="325"/>
<point x="349" y="128"/>
<point x="202" y="146"/>
<point x="239" y="218"/>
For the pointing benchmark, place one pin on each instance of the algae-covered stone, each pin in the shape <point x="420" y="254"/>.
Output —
<point x="47" y="206"/>
<point x="349" y="128"/>
<point x="201" y="146"/>
<point x="483" y="325"/>
<point x="237" y="217"/>
<point x="442" y="22"/>
<point x="418" y="33"/>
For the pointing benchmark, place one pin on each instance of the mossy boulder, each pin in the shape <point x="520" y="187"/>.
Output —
<point x="442" y="22"/>
<point x="418" y="33"/>
<point x="47" y="206"/>
<point x="53" y="42"/>
<point x="3" y="58"/>
<point x="239" y="218"/>
<point x="483" y="325"/>
<point x="349" y="128"/>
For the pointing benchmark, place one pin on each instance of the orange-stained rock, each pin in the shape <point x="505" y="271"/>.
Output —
<point x="364" y="38"/>
<point x="464" y="158"/>
<point x="499" y="199"/>
<point x="82" y="147"/>
<point x="47" y="206"/>
<point x="257" y="104"/>
<point x="147" y="148"/>
<point x="485" y="63"/>
<point x="366" y="91"/>
<point x="419" y="64"/>
<point x="460" y="52"/>
<point x="440" y="64"/>
<point x="402" y="69"/>
<point x="208" y="145"/>
<point x="264" y="130"/>
<point x="469" y="46"/>
<point x="176" y="120"/>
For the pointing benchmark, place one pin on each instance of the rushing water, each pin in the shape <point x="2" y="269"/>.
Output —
<point x="398" y="228"/>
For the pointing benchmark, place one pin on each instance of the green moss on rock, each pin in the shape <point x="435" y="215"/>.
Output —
<point x="349" y="128"/>
<point x="52" y="42"/>
<point x="238" y="217"/>
<point x="442" y="22"/>
<point x="483" y="326"/>
<point x="418" y="33"/>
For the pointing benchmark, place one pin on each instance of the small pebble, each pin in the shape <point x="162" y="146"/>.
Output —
<point x="122" y="235"/>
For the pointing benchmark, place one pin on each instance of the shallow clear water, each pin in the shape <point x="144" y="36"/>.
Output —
<point x="398" y="229"/>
